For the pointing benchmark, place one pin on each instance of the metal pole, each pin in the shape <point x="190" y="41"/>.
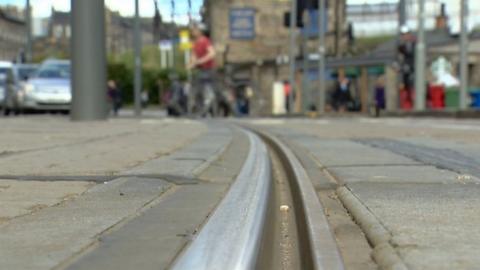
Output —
<point x="321" y="56"/>
<point x="89" y="71"/>
<point x="137" y="40"/>
<point x="464" y="55"/>
<point x="402" y="13"/>
<point x="420" y="59"/>
<point x="293" y="26"/>
<point x="174" y="53"/>
<point x="305" y="82"/>
<point x="28" y="21"/>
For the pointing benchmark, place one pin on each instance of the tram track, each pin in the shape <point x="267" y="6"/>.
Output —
<point x="271" y="218"/>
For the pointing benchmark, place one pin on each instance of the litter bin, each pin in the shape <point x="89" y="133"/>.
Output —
<point x="475" y="94"/>
<point x="436" y="96"/>
<point x="452" y="98"/>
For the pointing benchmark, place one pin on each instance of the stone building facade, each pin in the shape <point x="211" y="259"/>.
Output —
<point x="253" y="59"/>
<point x="13" y="36"/>
<point x="119" y="31"/>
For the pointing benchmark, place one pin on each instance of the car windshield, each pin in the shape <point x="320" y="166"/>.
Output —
<point x="49" y="71"/>
<point x="25" y="72"/>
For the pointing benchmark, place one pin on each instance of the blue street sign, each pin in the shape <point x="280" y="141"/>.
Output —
<point x="242" y="23"/>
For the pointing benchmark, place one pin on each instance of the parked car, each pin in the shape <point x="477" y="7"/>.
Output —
<point x="5" y="69"/>
<point x="16" y="79"/>
<point x="48" y="89"/>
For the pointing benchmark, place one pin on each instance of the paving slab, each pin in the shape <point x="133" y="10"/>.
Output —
<point x="331" y="152"/>
<point x="397" y="174"/>
<point x="106" y="156"/>
<point x="443" y="158"/>
<point x="200" y="153"/>
<point x="161" y="232"/>
<point x="433" y="226"/>
<point x="44" y="132"/>
<point x="21" y="198"/>
<point x="51" y="236"/>
<point x="152" y="240"/>
<point x="47" y="237"/>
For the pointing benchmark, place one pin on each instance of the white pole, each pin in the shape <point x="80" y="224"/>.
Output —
<point x="420" y="59"/>
<point x="464" y="55"/>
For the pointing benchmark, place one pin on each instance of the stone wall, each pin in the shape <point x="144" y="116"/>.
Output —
<point x="12" y="37"/>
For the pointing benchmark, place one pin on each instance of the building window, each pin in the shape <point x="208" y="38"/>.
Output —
<point x="68" y="31"/>
<point x="57" y="31"/>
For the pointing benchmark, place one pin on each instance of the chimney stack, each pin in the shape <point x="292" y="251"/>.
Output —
<point x="441" y="21"/>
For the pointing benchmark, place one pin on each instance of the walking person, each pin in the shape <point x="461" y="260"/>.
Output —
<point x="203" y="61"/>
<point x="145" y="98"/>
<point x="114" y="97"/>
<point x="380" y="102"/>
<point x="341" y="95"/>
<point x="287" y="91"/>
<point x="406" y="60"/>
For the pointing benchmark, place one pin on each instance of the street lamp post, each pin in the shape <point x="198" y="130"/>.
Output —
<point x="305" y="66"/>
<point x="464" y="55"/>
<point x="293" y="25"/>
<point x="138" y="61"/>
<point x="28" y="22"/>
<point x="420" y="59"/>
<point x="321" y="56"/>
<point x="89" y="100"/>
<point x="402" y="13"/>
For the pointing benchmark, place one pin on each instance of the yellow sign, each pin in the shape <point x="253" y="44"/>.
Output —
<point x="185" y="43"/>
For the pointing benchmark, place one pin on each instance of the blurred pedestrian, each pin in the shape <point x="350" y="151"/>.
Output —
<point x="379" y="95"/>
<point x="287" y="91"/>
<point x="114" y="97"/>
<point x="203" y="61"/>
<point x="341" y="95"/>
<point x="144" y="98"/>
<point x="406" y="61"/>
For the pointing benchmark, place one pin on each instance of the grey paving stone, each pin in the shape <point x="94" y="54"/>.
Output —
<point x="434" y="226"/>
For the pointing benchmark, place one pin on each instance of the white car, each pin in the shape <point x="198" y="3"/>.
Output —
<point x="48" y="89"/>
<point x="5" y="69"/>
<point x="15" y="81"/>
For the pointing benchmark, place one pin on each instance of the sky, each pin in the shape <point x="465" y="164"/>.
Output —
<point x="42" y="8"/>
<point x="452" y="8"/>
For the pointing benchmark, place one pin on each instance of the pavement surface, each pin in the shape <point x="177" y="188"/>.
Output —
<point x="131" y="193"/>
<point x="69" y="188"/>
<point x="419" y="179"/>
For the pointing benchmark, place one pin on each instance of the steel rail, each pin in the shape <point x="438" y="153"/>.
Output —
<point x="232" y="236"/>
<point x="321" y="252"/>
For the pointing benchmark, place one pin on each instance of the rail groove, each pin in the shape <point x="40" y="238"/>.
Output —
<point x="319" y="241"/>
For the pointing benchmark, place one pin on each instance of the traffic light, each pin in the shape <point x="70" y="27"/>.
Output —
<point x="286" y="20"/>
<point x="302" y="5"/>
<point x="311" y="4"/>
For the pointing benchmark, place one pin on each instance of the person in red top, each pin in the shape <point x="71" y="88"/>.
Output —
<point x="203" y="56"/>
<point x="203" y="60"/>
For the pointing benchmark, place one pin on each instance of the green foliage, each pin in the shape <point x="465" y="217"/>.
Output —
<point x="366" y="44"/>
<point x="123" y="76"/>
<point x="154" y="79"/>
